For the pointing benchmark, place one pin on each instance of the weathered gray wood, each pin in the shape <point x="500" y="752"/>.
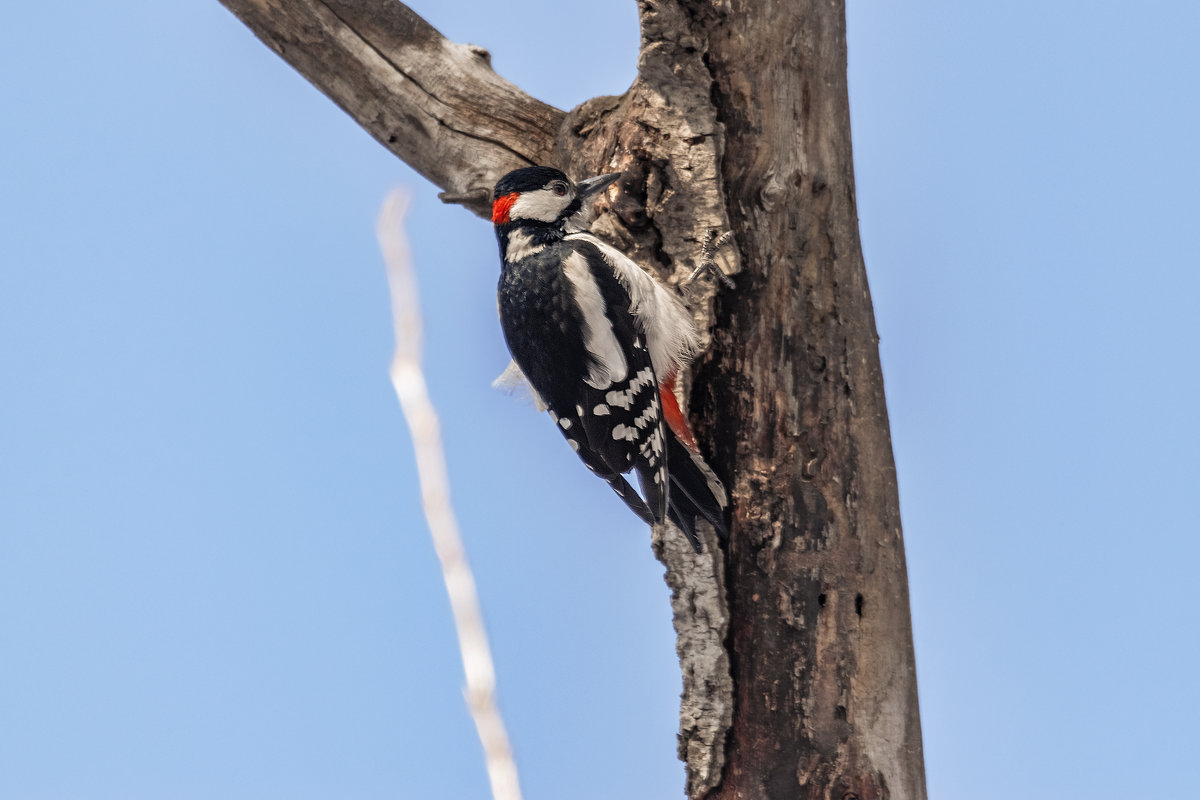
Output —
<point x="795" y="642"/>
<point x="434" y="103"/>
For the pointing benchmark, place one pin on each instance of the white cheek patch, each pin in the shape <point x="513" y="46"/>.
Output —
<point x="542" y="205"/>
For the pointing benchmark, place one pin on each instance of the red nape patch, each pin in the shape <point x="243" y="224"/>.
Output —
<point x="676" y="421"/>
<point x="501" y="207"/>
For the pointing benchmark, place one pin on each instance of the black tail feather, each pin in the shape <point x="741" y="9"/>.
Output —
<point x="632" y="499"/>
<point x="695" y="492"/>
<point x="649" y="514"/>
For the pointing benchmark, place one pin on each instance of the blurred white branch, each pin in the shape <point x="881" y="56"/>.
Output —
<point x="409" y="381"/>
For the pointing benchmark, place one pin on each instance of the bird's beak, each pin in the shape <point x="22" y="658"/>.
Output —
<point x="589" y="189"/>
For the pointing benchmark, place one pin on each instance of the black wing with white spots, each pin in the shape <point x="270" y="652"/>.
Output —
<point x="567" y="321"/>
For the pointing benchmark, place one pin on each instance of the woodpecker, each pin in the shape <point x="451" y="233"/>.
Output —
<point x="601" y="342"/>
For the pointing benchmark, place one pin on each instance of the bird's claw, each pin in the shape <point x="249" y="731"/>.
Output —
<point x="709" y="248"/>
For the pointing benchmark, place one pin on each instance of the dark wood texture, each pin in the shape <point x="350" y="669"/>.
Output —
<point x="793" y="402"/>
<point x="794" y="642"/>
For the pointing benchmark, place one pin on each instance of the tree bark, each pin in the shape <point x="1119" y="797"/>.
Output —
<point x="794" y="641"/>
<point x="826" y="702"/>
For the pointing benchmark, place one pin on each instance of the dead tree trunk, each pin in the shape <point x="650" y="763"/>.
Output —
<point x="795" y="640"/>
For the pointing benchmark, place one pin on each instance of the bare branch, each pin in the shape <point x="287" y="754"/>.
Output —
<point x="469" y="198"/>
<point x="409" y="380"/>
<point x="436" y="104"/>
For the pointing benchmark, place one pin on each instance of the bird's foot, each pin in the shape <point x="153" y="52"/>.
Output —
<point x="709" y="248"/>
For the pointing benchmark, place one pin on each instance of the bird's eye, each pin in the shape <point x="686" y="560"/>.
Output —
<point x="559" y="189"/>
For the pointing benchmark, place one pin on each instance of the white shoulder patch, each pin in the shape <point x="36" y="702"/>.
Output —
<point x="609" y="361"/>
<point x="670" y="335"/>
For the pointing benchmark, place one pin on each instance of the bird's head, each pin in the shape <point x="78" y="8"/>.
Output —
<point x="545" y="196"/>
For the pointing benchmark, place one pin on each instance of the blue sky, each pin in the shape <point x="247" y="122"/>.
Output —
<point x="214" y="576"/>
